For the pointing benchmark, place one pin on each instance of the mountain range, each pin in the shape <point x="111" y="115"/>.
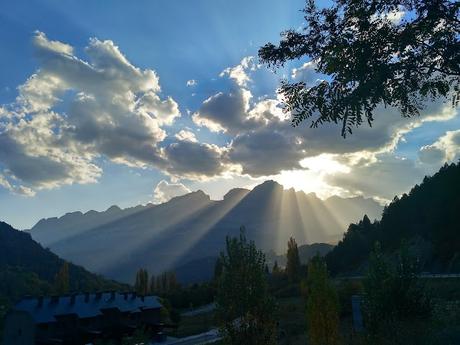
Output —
<point x="117" y="242"/>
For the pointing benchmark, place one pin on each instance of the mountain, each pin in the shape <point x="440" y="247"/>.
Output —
<point x="192" y="227"/>
<point x="427" y="219"/>
<point x="27" y="268"/>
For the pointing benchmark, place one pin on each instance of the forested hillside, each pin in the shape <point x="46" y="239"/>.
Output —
<point x="427" y="218"/>
<point x="27" y="268"/>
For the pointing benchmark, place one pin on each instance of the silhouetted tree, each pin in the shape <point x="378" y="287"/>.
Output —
<point x="245" y="308"/>
<point x="371" y="59"/>
<point x="62" y="280"/>
<point x="428" y="212"/>
<point x="396" y="308"/>
<point x="293" y="266"/>
<point x="218" y="269"/>
<point x="276" y="268"/>
<point x="322" y="305"/>
<point x="152" y="285"/>
<point x="141" y="286"/>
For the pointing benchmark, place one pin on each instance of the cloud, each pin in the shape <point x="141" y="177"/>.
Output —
<point x="225" y="112"/>
<point x="71" y="113"/>
<point x="239" y="73"/>
<point x="192" y="82"/>
<point x="164" y="191"/>
<point x="445" y="149"/>
<point x="186" y="135"/>
<point x="382" y="179"/>
<point x="263" y="142"/>
<point x="193" y="160"/>
<point x="306" y="73"/>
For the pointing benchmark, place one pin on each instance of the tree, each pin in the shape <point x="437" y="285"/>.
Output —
<point x="322" y="305"/>
<point x="218" y="269"/>
<point x="276" y="269"/>
<point x="245" y="308"/>
<point x="370" y="59"/>
<point x="152" y="285"/>
<point x="293" y="265"/>
<point x="62" y="280"/>
<point x="141" y="286"/>
<point x="396" y="308"/>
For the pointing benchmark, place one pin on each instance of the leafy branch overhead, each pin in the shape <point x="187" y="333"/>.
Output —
<point x="398" y="53"/>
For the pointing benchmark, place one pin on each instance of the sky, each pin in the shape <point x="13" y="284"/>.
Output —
<point x="131" y="102"/>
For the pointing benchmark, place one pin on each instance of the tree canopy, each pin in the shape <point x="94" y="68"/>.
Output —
<point x="398" y="53"/>
<point x="245" y="308"/>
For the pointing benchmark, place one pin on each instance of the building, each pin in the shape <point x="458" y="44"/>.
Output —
<point x="82" y="318"/>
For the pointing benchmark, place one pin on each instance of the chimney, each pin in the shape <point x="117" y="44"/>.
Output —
<point x="40" y="301"/>
<point x="86" y="297"/>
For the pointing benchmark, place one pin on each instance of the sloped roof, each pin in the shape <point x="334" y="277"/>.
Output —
<point x="84" y="306"/>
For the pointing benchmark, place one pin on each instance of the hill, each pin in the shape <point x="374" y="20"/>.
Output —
<point x="27" y="268"/>
<point x="427" y="218"/>
<point x="192" y="227"/>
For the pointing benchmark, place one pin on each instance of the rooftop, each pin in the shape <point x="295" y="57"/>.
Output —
<point x="86" y="305"/>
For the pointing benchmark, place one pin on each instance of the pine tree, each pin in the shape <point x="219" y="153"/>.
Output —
<point x="293" y="261"/>
<point x="322" y="305"/>
<point x="62" y="280"/>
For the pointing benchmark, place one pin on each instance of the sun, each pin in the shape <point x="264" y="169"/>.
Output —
<point x="313" y="178"/>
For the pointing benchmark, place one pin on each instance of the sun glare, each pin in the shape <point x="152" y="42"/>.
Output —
<point x="312" y="178"/>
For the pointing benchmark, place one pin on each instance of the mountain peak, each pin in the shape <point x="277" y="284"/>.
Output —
<point x="236" y="193"/>
<point x="113" y="208"/>
<point x="268" y="185"/>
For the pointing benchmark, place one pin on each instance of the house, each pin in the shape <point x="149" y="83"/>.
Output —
<point x="82" y="318"/>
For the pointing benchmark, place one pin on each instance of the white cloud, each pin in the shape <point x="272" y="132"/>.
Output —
<point x="72" y="113"/>
<point x="445" y="149"/>
<point x="306" y="73"/>
<point x="239" y="73"/>
<point x="381" y="179"/>
<point x="192" y="82"/>
<point x="186" y="135"/>
<point x="165" y="191"/>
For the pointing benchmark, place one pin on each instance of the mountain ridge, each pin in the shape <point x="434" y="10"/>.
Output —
<point x="194" y="226"/>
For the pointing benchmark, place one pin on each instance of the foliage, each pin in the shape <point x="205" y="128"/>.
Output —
<point x="62" y="280"/>
<point x="293" y="267"/>
<point x="396" y="308"/>
<point x="322" y="305"/>
<point x="245" y="309"/>
<point x="141" y="285"/>
<point x="165" y="283"/>
<point x="429" y="211"/>
<point x="139" y="337"/>
<point x="26" y="268"/>
<point x="370" y="59"/>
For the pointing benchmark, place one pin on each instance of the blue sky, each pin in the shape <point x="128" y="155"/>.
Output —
<point x="180" y="41"/>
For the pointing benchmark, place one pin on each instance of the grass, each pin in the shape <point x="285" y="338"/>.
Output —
<point x="191" y="325"/>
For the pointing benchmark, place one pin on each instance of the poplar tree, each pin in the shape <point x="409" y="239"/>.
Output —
<point x="245" y="308"/>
